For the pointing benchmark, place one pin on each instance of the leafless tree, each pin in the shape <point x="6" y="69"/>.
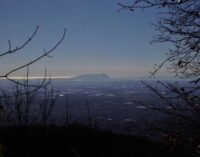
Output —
<point x="89" y="113"/>
<point x="29" y="89"/>
<point x="179" y="25"/>
<point x="45" y="53"/>
<point x="23" y="101"/>
<point x="47" y="103"/>
<point x="67" y="107"/>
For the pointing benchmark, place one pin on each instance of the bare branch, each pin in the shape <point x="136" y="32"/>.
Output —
<point x="37" y="59"/>
<point x="33" y="87"/>
<point x="10" y="50"/>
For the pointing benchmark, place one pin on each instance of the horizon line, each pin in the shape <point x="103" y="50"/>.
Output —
<point x="35" y="77"/>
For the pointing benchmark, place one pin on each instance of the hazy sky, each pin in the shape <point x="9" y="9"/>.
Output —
<point x="99" y="38"/>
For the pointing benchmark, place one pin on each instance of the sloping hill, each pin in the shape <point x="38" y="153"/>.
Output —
<point x="76" y="141"/>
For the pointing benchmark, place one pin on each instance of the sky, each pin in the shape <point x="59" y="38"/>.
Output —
<point x="99" y="39"/>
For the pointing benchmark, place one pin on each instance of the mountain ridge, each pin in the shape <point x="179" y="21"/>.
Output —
<point x="91" y="77"/>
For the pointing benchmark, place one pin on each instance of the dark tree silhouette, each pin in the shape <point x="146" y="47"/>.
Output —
<point x="47" y="104"/>
<point x="179" y="25"/>
<point x="15" y="108"/>
<point x="45" y="53"/>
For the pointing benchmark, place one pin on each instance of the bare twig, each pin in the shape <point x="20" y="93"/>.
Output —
<point x="10" y="50"/>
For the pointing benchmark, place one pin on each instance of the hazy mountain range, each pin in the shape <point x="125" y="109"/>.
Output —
<point x="91" y="77"/>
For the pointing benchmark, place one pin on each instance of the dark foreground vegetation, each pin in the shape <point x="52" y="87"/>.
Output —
<point x="79" y="141"/>
<point x="179" y="25"/>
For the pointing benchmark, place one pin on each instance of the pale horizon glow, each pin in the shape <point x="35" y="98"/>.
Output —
<point x="99" y="38"/>
<point x="36" y="77"/>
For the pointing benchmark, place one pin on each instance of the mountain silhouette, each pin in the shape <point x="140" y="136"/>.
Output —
<point x="92" y="77"/>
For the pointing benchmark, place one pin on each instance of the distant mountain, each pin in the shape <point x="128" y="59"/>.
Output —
<point x="92" y="77"/>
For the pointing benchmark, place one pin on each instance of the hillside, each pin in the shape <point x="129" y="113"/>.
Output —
<point x="76" y="141"/>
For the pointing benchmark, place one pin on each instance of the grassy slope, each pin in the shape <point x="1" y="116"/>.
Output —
<point x="76" y="141"/>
